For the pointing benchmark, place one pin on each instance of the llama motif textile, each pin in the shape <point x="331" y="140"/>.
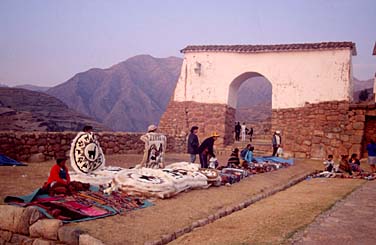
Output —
<point x="86" y="155"/>
<point x="155" y="148"/>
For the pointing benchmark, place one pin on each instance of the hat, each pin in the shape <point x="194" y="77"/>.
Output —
<point x="152" y="128"/>
<point x="215" y="134"/>
<point x="277" y="132"/>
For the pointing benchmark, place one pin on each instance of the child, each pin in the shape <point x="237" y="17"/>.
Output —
<point x="329" y="164"/>
<point x="59" y="179"/>
<point x="355" y="163"/>
<point x="344" y="165"/>
<point x="233" y="161"/>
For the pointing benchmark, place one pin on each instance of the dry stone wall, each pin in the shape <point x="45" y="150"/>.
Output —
<point x="41" y="146"/>
<point x="181" y="116"/>
<point x="316" y="130"/>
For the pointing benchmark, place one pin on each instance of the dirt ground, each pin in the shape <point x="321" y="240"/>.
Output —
<point x="274" y="219"/>
<point x="168" y="215"/>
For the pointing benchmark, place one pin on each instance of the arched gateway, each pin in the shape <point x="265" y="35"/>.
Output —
<point x="310" y="83"/>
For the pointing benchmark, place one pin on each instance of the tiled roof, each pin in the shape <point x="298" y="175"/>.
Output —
<point x="271" y="48"/>
<point x="374" y="49"/>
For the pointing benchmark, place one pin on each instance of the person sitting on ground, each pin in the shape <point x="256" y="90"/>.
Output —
<point x="233" y="161"/>
<point x="243" y="152"/>
<point x="329" y="164"/>
<point x="344" y="165"/>
<point x="355" y="163"/>
<point x="371" y="149"/>
<point x="58" y="180"/>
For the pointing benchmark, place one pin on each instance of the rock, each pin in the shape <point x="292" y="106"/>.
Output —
<point x="21" y="239"/>
<point x="38" y="157"/>
<point x="46" y="228"/>
<point x="86" y="239"/>
<point x="10" y="217"/>
<point x="69" y="235"/>
<point x="39" y="241"/>
<point x="5" y="236"/>
<point x="358" y="125"/>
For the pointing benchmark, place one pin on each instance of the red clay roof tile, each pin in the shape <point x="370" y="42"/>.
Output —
<point x="271" y="48"/>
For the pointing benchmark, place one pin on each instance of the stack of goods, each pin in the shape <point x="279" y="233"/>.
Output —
<point x="264" y="167"/>
<point x="212" y="176"/>
<point x="355" y="175"/>
<point x="232" y="175"/>
<point x="99" y="177"/>
<point x="162" y="183"/>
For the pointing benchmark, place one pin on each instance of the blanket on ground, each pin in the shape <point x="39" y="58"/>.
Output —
<point x="6" y="161"/>
<point x="81" y="206"/>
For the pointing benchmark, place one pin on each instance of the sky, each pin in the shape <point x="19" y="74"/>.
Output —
<point x="46" y="42"/>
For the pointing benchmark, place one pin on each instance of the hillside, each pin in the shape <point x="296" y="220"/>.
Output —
<point x="32" y="87"/>
<point x="126" y="97"/>
<point x="133" y="94"/>
<point x="25" y="110"/>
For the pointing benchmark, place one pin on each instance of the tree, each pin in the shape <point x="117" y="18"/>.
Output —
<point x="363" y="95"/>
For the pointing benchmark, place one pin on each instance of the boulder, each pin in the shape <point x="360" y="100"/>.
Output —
<point x="38" y="157"/>
<point x="86" y="239"/>
<point x="39" y="241"/>
<point x="21" y="239"/>
<point x="5" y="236"/>
<point x="10" y="217"/>
<point x="69" y="235"/>
<point x="46" y="228"/>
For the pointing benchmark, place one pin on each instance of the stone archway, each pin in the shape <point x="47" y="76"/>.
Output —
<point x="301" y="75"/>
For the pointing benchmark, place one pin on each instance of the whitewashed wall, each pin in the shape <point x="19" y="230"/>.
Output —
<point x="296" y="77"/>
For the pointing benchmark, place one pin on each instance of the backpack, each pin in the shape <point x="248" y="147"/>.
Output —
<point x="243" y="153"/>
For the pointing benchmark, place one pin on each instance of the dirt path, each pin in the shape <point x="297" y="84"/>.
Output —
<point x="169" y="215"/>
<point x="351" y="221"/>
<point x="274" y="219"/>
<point x="166" y="216"/>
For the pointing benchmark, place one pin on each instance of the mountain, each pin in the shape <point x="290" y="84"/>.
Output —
<point x="25" y="110"/>
<point x="32" y="87"/>
<point x="125" y="97"/>
<point x="361" y="85"/>
<point x="134" y="93"/>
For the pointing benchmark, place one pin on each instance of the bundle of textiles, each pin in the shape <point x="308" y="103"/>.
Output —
<point x="232" y="175"/>
<point x="79" y="205"/>
<point x="360" y="175"/>
<point x="255" y="168"/>
<point x="162" y="183"/>
<point x="100" y="177"/>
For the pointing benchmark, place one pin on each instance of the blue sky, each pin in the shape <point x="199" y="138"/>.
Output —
<point x="47" y="42"/>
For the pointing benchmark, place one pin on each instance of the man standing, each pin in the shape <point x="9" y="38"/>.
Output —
<point x="250" y="134"/>
<point x="237" y="131"/>
<point x="206" y="150"/>
<point x="193" y="144"/>
<point x="276" y="141"/>
<point x="243" y="131"/>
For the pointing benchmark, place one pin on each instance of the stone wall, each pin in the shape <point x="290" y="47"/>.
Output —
<point x="316" y="130"/>
<point x="181" y="116"/>
<point x="40" y="146"/>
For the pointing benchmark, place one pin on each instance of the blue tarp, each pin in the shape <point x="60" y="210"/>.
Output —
<point x="274" y="159"/>
<point x="6" y="161"/>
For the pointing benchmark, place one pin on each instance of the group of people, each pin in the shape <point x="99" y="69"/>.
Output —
<point x="205" y="150"/>
<point x="352" y="165"/>
<point x="243" y="131"/>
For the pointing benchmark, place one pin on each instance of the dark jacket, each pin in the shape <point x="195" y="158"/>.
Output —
<point x="274" y="140"/>
<point x="208" y="146"/>
<point x="193" y="144"/>
<point x="233" y="160"/>
<point x="237" y="128"/>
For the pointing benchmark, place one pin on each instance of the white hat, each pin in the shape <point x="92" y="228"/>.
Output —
<point x="277" y="132"/>
<point x="152" y="128"/>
